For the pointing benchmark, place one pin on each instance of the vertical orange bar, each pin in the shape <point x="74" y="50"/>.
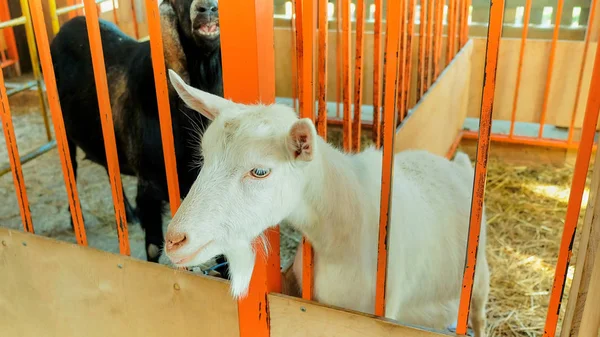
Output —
<point x="311" y="11"/>
<point x="305" y="37"/>
<point x="459" y="21"/>
<point x="338" y="45"/>
<point x="164" y="109"/>
<point x="9" y="35"/>
<point x="136" y="31"/>
<point x="436" y="26"/>
<point x="299" y="23"/>
<point x="39" y="25"/>
<point x="408" y="60"/>
<point x="421" y="63"/>
<point x="581" y="70"/>
<point x="310" y="26"/>
<point x="108" y="130"/>
<point x="307" y="269"/>
<point x="346" y="77"/>
<point x="437" y="42"/>
<point x="575" y="196"/>
<point x="483" y="145"/>
<point x="71" y="14"/>
<point x="377" y="73"/>
<point x="428" y="45"/>
<point x="13" y="156"/>
<point x="465" y="23"/>
<point x="559" y="10"/>
<point x="294" y="60"/>
<point x="513" y="116"/>
<point x="358" y="73"/>
<point x="322" y="69"/>
<point x="305" y="34"/>
<point x="115" y="18"/>
<point x="389" y="128"/>
<point x="451" y="30"/>
<point x="458" y="12"/>
<point x="401" y="62"/>
<point x="247" y="29"/>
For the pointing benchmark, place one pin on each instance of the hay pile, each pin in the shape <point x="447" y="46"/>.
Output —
<point x="526" y="213"/>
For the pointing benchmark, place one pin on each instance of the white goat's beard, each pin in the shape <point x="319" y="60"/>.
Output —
<point x="241" y="265"/>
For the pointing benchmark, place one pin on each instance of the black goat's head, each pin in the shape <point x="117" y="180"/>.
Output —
<point x="199" y="20"/>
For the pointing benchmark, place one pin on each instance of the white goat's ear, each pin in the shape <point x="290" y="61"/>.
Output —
<point x="301" y="140"/>
<point x="207" y="104"/>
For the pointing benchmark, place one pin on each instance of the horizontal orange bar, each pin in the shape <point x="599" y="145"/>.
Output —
<point x="524" y="140"/>
<point x="454" y="145"/>
<point x="7" y="63"/>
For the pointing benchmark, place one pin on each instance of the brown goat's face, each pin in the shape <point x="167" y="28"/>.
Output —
<point x="199" y="20"/>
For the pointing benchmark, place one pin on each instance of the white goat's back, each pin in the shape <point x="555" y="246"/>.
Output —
<point x="428" y="237"/>
<point x="427" y="240"/>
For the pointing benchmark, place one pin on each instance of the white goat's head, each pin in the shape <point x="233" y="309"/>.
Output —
<point x="255" y="158"/>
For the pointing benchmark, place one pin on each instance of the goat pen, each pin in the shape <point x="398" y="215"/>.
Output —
<point x="410" y="86"/>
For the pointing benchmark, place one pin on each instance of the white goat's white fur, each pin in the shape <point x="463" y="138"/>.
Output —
<point x="333" y="198"/>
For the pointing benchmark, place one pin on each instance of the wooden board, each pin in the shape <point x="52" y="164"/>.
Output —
<point x="435" y="122"/>
<point x="294" y="317"/>
<point x="586" y="258"/>
<point x="283" y="65"/>
<point x="533" y="79"/>
<point x="50" y="288"/>
<point x="590" y="321"/>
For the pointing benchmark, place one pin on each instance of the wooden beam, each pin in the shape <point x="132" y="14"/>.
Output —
<point x="294" y="317"/>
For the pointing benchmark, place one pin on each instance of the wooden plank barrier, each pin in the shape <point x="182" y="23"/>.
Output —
<point x="434" y="126"/>
<point x="586" y="259"/>
<point x="78" y="290"/>
<point x="56" y="289"/>
<point x="291" y="317"/>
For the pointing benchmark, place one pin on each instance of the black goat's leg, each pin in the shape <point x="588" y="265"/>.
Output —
<point x="129" y="210"/>
<point x="149" y="209"/>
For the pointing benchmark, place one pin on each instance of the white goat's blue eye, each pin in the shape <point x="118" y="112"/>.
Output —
<point x="260" y="172"/>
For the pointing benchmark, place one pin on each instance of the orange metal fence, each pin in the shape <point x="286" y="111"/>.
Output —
<point x="483" y="145"/>
<point x="247" y="28"/>
<point x="558" y="28"/>
<point x="12" y="58"/>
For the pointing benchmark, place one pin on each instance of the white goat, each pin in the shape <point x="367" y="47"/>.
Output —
<point x="263" y="165"/>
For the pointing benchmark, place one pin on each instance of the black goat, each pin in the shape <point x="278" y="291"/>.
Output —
<point x="190" y="30"/>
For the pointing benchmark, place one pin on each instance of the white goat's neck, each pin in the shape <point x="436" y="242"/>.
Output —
<point x="330" y="212"/>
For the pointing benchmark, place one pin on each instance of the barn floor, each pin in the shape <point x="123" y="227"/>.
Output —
<point x="526" y="208"/>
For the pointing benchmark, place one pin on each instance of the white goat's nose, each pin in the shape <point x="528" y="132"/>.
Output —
<point x="175" y="240"/>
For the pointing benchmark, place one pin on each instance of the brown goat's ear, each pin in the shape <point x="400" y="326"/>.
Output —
<point x="208" y="105"/>
<point x="173" y="51"/>
<point x="301" y="140"/>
